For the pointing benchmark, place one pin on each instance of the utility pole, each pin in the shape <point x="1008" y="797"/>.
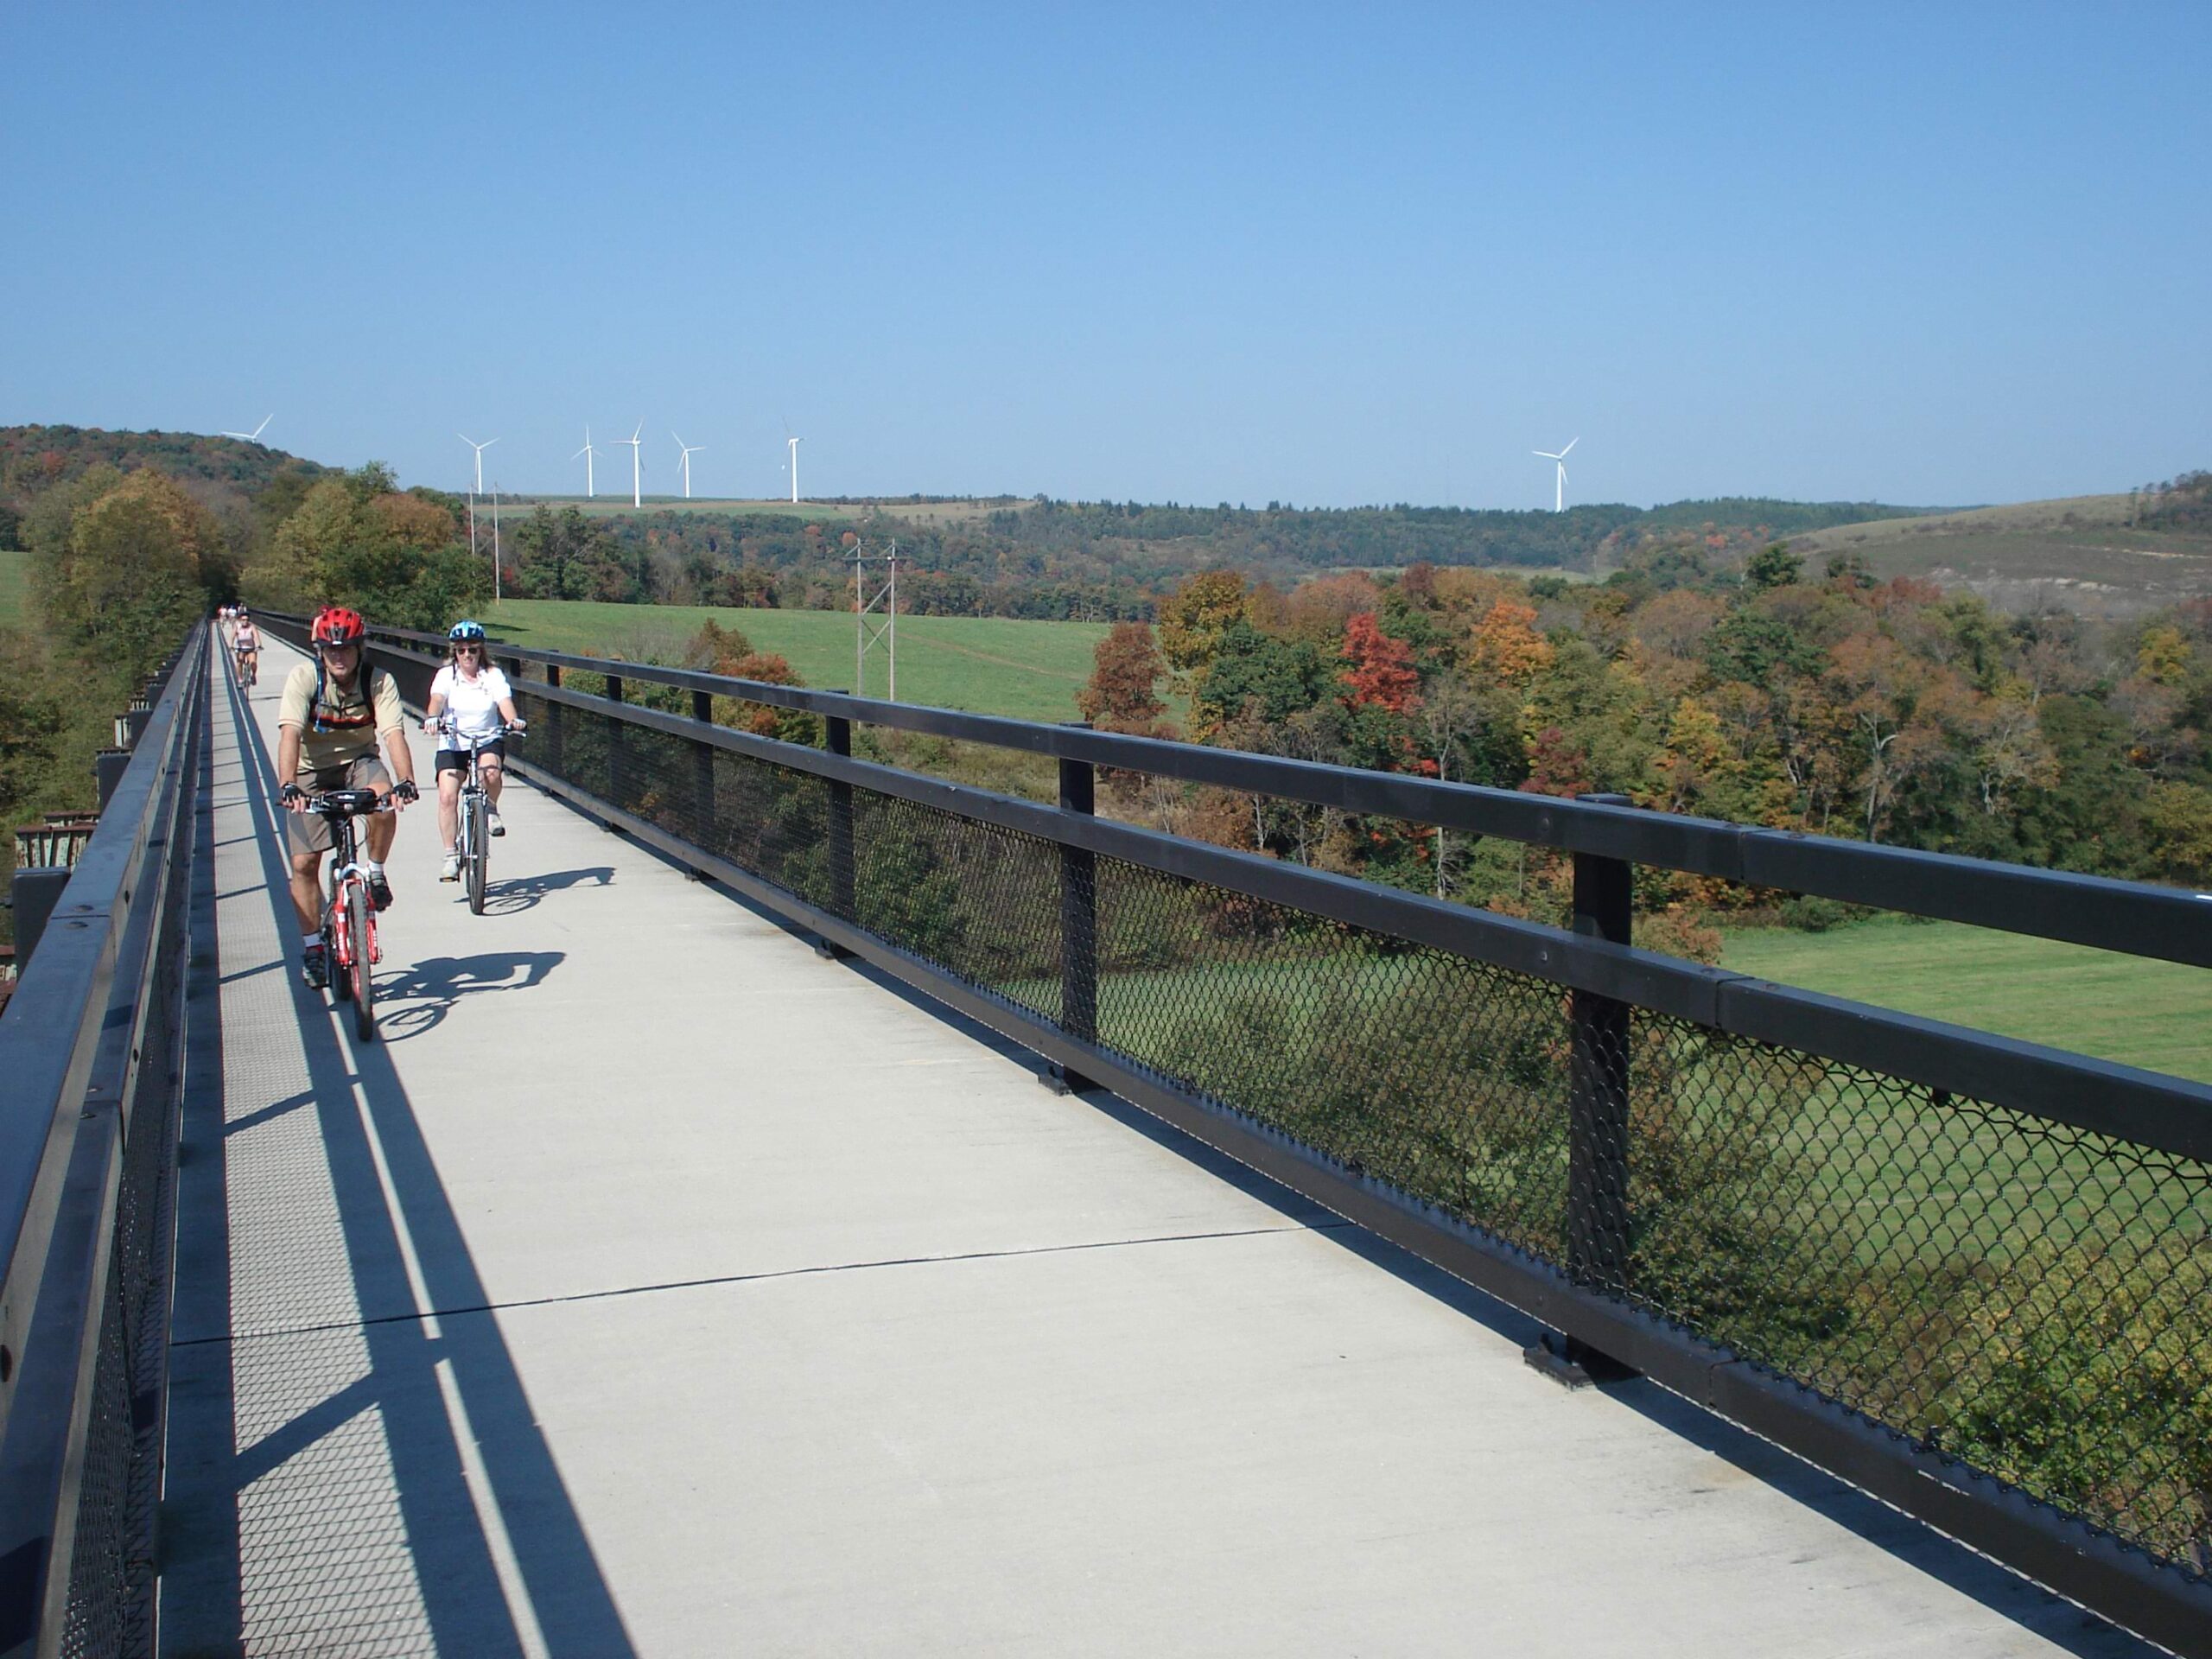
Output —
<point x="875" y="614"/>
<point x="495" y="543"/>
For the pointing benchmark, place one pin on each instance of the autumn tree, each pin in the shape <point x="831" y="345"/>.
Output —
<point x="128" y="580"/>
<point x="1321" y="609"/>
<point x="717" y="650"/>
<point x="1378" y="672"/>
<point x="355" y="539"/>
<point x="1506" y="649"/>
<point x="1121" y="695"/>
<point x="1193" y="618"/>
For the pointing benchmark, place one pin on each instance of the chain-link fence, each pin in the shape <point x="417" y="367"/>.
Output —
<point x="2026" y="1297"/>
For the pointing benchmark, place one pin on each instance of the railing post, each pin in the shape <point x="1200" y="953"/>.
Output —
<point x="1078" y="922"/>
<point x="837" y="738"/>
<point x="616" y="744"/>
<point x="33" y="893"/>
<point x="1597" y="1108"/>
<point x="703" y="777"/>
<point x="556" y="723"/>
<point x="108" y="767"/>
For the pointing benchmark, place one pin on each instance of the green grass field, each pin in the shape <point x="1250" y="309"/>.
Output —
<point x="2155" y="1014"/>
<point x="15" y="584"/>
<point x="611" y="506"/>
<point x="820" y="513"/>
<point x="996" y="665"/>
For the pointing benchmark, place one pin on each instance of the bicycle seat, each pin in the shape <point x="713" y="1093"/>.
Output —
<point x="345" y="803"/>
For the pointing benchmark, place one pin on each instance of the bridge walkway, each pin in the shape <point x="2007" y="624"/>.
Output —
<point x="656" y="1286"/>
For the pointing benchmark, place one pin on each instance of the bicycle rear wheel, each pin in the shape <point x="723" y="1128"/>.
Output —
<point x="357" y="923"/>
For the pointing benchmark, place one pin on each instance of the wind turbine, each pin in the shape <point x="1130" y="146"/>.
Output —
<point x="479" y="448"/>
<point x="588" y="453"/>
<point x="636" y="441"/>
<point x="1559" y="501"/>
<point x="794" y="444"/>
<point x="253" y="437"/>
<point x="689" y="450"/>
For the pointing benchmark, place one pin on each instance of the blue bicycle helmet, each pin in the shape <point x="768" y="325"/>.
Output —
<point x="465" y="633"/>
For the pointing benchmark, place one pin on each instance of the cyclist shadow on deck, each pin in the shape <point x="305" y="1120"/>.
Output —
<point x="417" y="998"/>
<point x="524" y="892"/>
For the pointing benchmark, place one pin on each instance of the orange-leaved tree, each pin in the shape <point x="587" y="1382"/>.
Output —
<point x="1378" y="672"/>
<point x="1123" y="692"/>
<point x="1506" y="648"/>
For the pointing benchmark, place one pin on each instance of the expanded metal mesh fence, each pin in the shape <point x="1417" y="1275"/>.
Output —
<point x="111" y="1563"/>
<point x="2026" y="1297"/>
<point x="103" y="1057"/>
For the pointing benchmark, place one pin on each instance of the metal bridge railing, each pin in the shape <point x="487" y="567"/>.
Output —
<point x="1971" y="1275"/>
<point x="91" y="1057"/>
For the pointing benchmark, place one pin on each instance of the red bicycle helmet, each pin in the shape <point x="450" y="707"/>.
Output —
<point x="334" y="625"/>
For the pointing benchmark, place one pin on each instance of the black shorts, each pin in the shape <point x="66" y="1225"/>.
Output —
<point x="457" y="759"/>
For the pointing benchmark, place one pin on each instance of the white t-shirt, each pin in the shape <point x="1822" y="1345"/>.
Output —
<point x="472" y="705"/>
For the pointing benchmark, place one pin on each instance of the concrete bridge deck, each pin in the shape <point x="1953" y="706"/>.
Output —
<point x="655" y="1287"/>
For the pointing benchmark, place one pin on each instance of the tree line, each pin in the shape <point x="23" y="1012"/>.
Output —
<point x="1097" y="561"/>
<point x="1823" y="701"/>
<point x="121" y="562"/>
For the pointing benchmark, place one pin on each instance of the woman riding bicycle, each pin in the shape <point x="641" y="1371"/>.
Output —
<point x="470" y="702"/>
<point x="245" y="647"/>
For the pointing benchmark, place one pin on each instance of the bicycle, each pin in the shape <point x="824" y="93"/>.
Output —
<point x="473" y="843"/>
<point x="248" y="664"/>
<point x="349" y="919"/>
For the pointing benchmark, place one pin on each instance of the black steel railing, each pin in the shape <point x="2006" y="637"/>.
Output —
<point x="91" y="1057"/>
<point x="1972" y="1275"/>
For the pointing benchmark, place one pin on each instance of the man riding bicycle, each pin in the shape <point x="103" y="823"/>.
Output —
<point x="471" y="704"/>
<point x="245" y="648"/>
<point x="335" y="712"/>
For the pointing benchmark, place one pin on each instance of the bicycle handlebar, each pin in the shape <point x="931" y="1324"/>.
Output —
<point x="444" y="727"/>
<point x="348" y="803"/>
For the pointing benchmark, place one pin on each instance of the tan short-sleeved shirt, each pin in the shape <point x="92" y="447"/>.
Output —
<point x="345" y="726"/>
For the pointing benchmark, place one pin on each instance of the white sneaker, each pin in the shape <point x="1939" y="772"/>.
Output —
<point x="492" y="818"/>
<point x="451" y="870"/>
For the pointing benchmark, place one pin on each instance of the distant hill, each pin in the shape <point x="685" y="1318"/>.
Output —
<point x="2101" y="554"/>
<point x="31" y="457"/>
<point x="1050" y="558"/>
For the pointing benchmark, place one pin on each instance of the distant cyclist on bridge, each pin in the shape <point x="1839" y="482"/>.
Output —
<point x="245" y="647"/>
<point x="471" y="705"/>
<point x="335" y="713"/>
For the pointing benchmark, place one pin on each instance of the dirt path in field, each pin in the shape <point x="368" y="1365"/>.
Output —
<point x="1004" y="662"/>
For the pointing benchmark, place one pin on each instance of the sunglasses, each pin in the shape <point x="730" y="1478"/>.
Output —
<point x="474" y="650"/>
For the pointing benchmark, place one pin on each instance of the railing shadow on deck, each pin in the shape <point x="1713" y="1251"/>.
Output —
<point x="504" y="1569"/>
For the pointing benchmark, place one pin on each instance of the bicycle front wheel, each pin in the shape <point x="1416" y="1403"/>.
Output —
<point x="334" y="954"/>
<point x="479" y="859"/>
<point x="357" y="924"/>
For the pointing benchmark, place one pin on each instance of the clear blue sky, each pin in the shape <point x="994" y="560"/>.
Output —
<point x="1926" y="254"/>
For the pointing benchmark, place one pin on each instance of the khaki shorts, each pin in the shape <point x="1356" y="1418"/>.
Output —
<point x="309" y="832"/>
